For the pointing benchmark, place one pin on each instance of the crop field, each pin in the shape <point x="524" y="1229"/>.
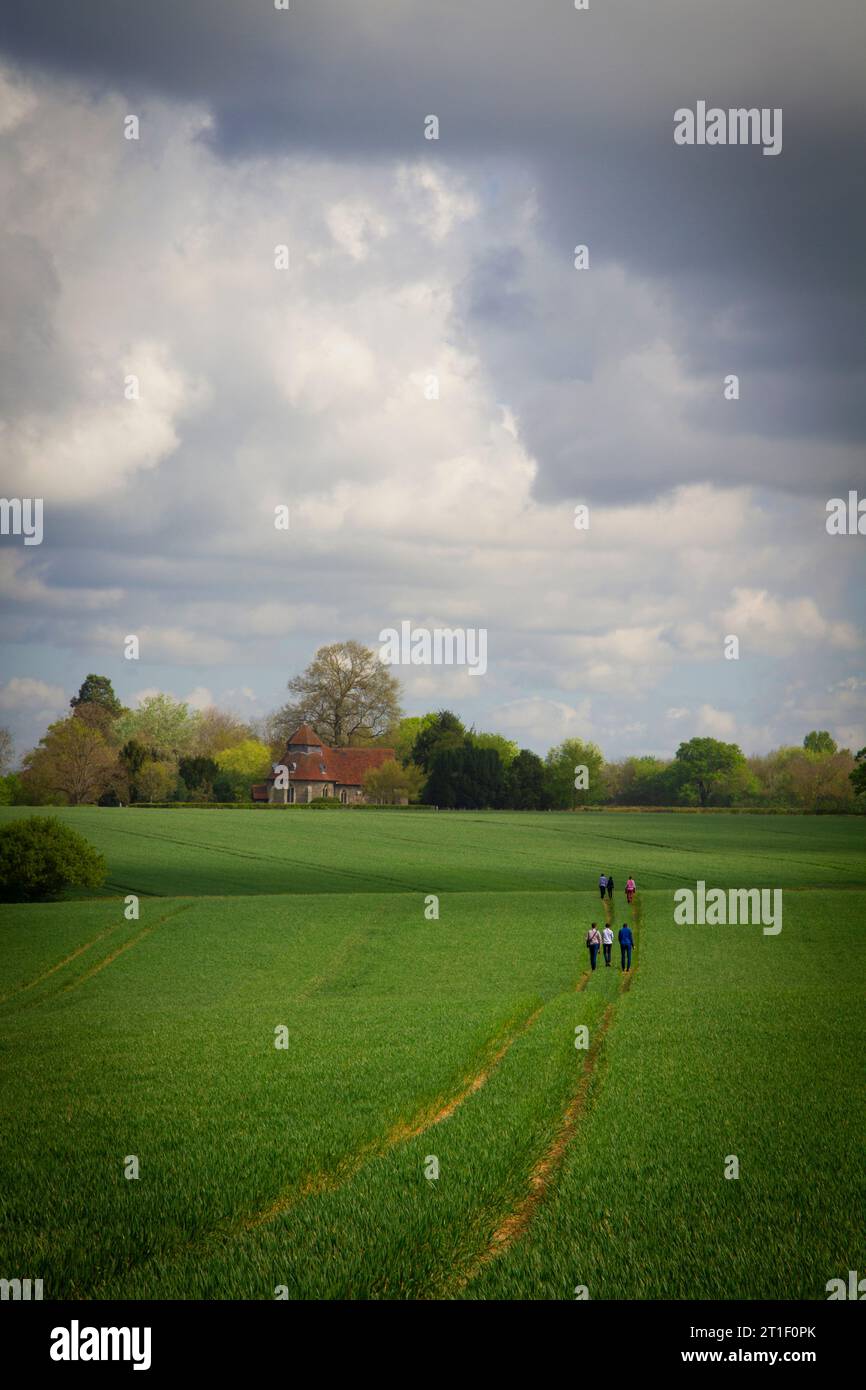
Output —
<point x="430" y="1129"/>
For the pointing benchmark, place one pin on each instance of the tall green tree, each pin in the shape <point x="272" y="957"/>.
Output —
<point x="643" y="781"/>
<point x="444" y="731"/>
<point x="524" y="780"/>
<point x="464" y="778"/>
<point x="97" y="690"/>
<point x="857" y="774"/>
<point x="703" y="762"/>
<point x="132" y="757"/>
<point x="505" y="747"/>
<point x="249" y="760"/>
<point x="168" y="727"/>
<point x="563" y="769"/>
<point x="820" y="741"/>
<point x="402" y="735"/>
<point x="198" y="774"/>
<point x="156" y="780"/>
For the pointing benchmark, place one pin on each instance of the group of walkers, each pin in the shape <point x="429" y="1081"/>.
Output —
<point x="604" y="939"/>
<point x="605" y="885"/>
<point x="626" y="942"/>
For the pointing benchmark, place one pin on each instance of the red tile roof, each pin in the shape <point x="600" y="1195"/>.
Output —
<point x="348" y="765"/>
<point x="305" y="767"/>
<point x="343" y="765"/>
<point x="305" y="735"/>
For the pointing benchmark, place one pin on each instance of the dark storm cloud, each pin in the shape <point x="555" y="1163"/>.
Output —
<point x="345" y="72"/>
<point x="759" y="258"/>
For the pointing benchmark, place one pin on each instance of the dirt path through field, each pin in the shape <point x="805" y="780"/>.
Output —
<point x="515" y="1223"/>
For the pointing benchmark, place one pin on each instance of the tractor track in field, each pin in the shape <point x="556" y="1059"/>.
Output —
<point x="514" y="1224"/>
<point x="97" y="968"/>
<point x="46" y="974"/>
<point x="401" y="1134"/>
<point x="317" y="1184"/>
<point x="124" y="946"/>
<point x="106" y="960"/>
<point x="435" y="1112"/>
<point x="343" y="952"/>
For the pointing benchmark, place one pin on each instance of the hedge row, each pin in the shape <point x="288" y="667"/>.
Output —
<point x="328" y="804"/>
<point x="320" y="804"/>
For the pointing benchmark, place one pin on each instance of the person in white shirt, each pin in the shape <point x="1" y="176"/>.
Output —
<point x="607" y="943"/>
<point x="593" y="941"/>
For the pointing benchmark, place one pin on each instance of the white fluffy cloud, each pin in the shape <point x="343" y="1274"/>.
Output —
<point x="95" y="446"/>
<point x="35" y="696"/>
<point x="716" y="723"/>
<point x="312" y="387"/>
<point x="540" y="721"/>
<point x="785" y="625"/>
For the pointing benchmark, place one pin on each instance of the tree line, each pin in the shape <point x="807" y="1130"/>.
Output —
<point x="166" y="751"/>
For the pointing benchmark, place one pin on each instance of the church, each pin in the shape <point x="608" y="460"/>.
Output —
<point x="313" y="771"/>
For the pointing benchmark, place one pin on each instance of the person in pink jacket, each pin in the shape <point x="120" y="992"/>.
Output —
<point x="630" y="889"/>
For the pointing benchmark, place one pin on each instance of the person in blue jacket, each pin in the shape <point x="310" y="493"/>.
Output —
<point x="626" y="941"/>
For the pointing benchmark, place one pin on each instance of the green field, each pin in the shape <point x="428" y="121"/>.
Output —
<point x="412" y="1040"/>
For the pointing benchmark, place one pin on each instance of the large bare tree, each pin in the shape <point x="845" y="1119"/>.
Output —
<point x="346" y="694"/>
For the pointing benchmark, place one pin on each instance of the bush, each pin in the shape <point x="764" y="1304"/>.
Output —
<point x="40" y="856"/>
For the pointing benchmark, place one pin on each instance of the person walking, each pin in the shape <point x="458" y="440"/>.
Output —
<point x="593" y="941"/>
<point x="630" y="889"/>
<point x="626" y="941"/>
<point x="602" y="884"/>
<point x="609" y="886"/>
<point x="607" y="943"/>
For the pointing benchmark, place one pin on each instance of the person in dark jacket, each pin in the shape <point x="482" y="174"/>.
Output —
<point x="610" y="885"/>
<point x="626" y="941"/>
<point x="593" y="941"/>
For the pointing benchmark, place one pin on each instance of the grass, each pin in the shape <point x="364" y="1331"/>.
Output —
<point x="727" y="1046"/>
<point x="453" y="1039"/>
<point x="181" y="853"/>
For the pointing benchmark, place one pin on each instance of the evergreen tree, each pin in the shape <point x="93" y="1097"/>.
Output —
<point x="524" y="783"/>
<point x="97" y="690"/>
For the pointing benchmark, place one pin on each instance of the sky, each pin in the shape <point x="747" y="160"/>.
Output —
<point x="412" y="259"/>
